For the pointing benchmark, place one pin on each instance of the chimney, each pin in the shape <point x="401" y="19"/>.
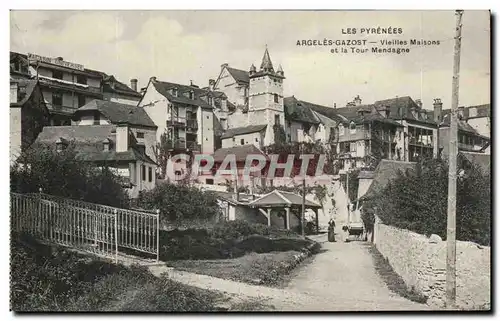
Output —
<point x="211" y="84"/>
<point x="357" y="100"/>
<point x="419" y="103"/>
<point x="122" y="135"/>
<point x="13" y="92"/>
<point x="224" y="65"/>
<point x="460" y="113"/>
<point x="335" y="105"/>
<point x="133" y="84"/>
<point x="438" y="110"/>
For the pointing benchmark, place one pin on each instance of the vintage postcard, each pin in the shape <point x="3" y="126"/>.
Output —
<point x="250" y="161"/>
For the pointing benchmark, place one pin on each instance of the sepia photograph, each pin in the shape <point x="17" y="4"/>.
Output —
<point x="250" y="161"/>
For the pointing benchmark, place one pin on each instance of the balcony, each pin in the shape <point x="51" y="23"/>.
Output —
<point x="66" y="110"/>
<point x="182" y="144"/>
<point x="192" y="125"/>
<point x="176" y="122"/>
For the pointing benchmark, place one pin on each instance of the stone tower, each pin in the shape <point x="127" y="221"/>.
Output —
<point x="266" y="97"/>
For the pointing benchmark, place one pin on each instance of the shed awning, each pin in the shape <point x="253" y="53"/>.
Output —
<point x="279" y="198"/>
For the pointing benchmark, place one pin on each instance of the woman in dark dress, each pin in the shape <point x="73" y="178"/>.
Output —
<point x="331" y="231"/>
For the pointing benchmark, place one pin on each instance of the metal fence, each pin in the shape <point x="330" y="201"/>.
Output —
<point x="92" y="227"/>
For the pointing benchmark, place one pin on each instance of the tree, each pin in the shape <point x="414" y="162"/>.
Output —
<point x="417" y="200"/>
<point x="63" y="173"/>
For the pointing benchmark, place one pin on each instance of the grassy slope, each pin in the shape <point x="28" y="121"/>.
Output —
<point x="54" y="279"/>
<point x="254" y="268"/>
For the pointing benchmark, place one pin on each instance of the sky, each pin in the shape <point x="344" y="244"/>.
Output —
<point x="184" y="46"/>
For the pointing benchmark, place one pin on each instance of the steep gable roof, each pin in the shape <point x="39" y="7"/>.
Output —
<point x="199" y="95"/>
<point x="299" y="111"/>
<point x="28" y="85"/>
<point x="90" y="142"/>
<point x="240" y="76"/>
<point x="111" y="84"/>
<point x="119" y="113"/>
<point x="401" y="108"/>
<point x="243" y="130"/>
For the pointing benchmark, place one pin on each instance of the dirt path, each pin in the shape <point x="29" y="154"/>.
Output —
<point x="341" y="278"/>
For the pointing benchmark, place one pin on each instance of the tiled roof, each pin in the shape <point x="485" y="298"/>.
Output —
<point x="462" y="125"/>
<point x="89" y="142"/>
<point x="164" y="88"/>
<point x="325" y="120"/>
<point x="111" y="84"/>
<point x="241" y="76"/>
<point x="299" y="111"/>
<point x="240" y="152"/>
<point x="279" y="198"/>
<point x="386" y="171"/>
<point x="119" y="113"/>
<point x="29" y="86"/>
<point x="401" y="108"/>
<point x="243" y="130"/>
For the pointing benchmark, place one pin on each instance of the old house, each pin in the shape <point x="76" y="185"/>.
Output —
<point x="28" y="114"/>
<point x="66" y="86"/>
<point x="102" y="112"/>
<point x="113" y="146"/>
<point x="474" y="128"/>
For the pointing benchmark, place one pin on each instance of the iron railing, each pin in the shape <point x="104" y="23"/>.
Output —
<point x="92" y="227"/>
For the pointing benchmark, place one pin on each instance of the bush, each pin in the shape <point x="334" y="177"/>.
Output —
<point x="418" y="200"/>
<point x="179" y="202"/>
<point x="63" y="174"/>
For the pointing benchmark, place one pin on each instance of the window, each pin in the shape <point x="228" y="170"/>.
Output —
<point x="276" y="98"/>
<point x="352" y="147"/>
<point x="242" y="141"/>
<point x="81" y="79"/>
<point x="140" y="135"/>
<point x="106" y="146"/>
<point x="191" y="95"/>
<point x="341" y="130"/>
<point x="256" y="139"/>
<point x="81" y="100"/>
<point x="56" y="99"/>
<point x="57" y="74"/>
<point x="150" y="174"/>
<point x="276" y="119"/>
<point x="97" y="119"/>
<point x="472" y="112"/>
<point x="143" y="172"/>
<point x="352" y="128"/>
<point x="210" y="101"/>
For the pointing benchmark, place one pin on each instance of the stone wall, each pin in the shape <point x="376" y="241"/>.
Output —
<point x="422" y="265"/>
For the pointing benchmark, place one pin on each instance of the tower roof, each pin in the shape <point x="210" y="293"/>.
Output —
<point x="266" y="64"/>
<point x="280" y="69"/>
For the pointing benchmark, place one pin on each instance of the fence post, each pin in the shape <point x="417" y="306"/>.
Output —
<point x="38" y="220"/>
<point x="116" y="235"/>
<point x="157" y="236"/>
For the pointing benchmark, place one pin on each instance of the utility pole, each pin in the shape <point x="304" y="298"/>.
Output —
<point x="451" y="289"/>
<point x="348" y="199"/>
<point x="303" y="214"/>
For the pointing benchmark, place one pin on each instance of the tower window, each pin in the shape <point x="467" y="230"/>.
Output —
<point x="276" y="119"/>
<point x="242" y="141"/>
<point x="276" y="99"/>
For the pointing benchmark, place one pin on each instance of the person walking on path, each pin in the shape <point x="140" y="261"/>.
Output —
<point x="331" y="231"/>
